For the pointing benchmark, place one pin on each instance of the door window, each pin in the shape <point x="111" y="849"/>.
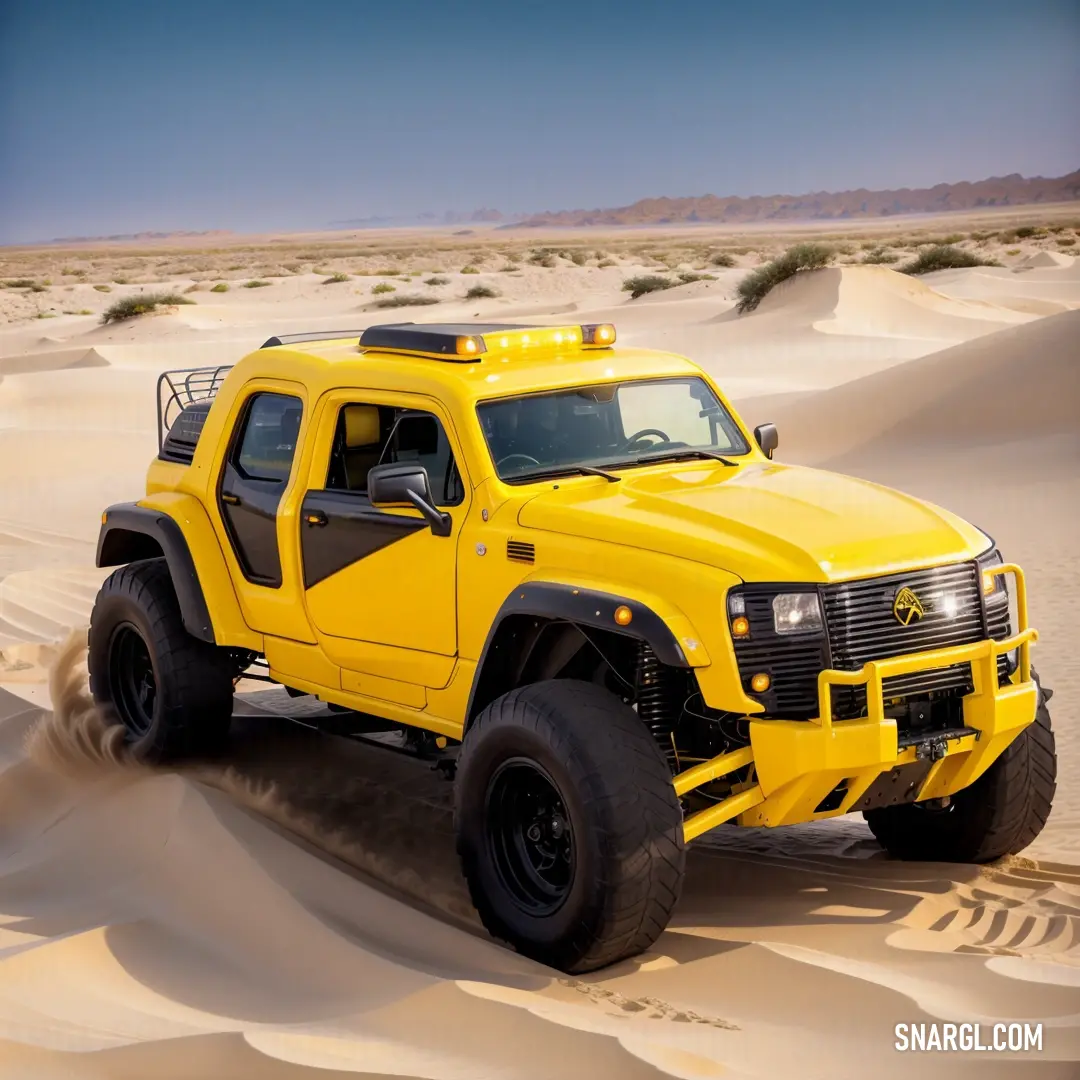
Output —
<point x="266" y="448"/>
<point x="370" y="435"/>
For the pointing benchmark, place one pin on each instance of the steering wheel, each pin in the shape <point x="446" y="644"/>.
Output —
<point x="639" y="435"/>
<point x="519" y="458"/>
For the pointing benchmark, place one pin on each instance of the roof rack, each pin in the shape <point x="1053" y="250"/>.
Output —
<point x="318" y="335"/>
<point x="182" y="387"/>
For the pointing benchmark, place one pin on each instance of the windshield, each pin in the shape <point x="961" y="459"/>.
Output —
<point x="611" y="425"/>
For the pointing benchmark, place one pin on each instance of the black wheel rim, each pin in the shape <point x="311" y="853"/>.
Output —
<point x="131" y="679"/>
<point x="531" y="836"/>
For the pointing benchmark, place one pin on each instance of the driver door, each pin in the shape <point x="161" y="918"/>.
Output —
<point x="380" y="587"/>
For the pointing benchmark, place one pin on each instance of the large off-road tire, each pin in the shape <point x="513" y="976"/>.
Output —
<point x="568" y="826"/>
<point x="172" y="692"/>
<point x="1000" y="814"/>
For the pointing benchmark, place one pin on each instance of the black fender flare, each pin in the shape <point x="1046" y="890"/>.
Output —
<point x="130" y="532"/>
<point x="583" y="607"/>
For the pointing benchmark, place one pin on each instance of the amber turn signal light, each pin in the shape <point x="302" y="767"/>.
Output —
<point x="760" y="683"/>
<point x="623" y="615"/>
<point x="740" y="626"/>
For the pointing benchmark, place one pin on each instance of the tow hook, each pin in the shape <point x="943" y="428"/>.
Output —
<point x="932" y="750"/>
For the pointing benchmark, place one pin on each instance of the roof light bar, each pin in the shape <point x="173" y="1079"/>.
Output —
<point x="471" y="341"/>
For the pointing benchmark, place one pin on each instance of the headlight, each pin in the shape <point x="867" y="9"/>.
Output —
<point x="797" y="613"/>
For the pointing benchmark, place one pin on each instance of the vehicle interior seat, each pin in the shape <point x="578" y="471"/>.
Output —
<point x="362" y="444"/>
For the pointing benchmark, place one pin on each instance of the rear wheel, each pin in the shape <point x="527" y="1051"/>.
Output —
<point x="172" y="692"/>
<point x="569" y="829"/>
<point x="999" y="814"/>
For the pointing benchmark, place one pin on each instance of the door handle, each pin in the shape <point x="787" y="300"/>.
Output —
<point x="315" y="517"/>
<point x="230" y="498"/>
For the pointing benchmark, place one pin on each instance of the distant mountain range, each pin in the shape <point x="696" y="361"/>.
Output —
<point x="1012" y="190"/>
<point x="136" y="236"/>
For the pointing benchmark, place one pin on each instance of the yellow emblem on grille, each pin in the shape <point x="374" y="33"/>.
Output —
<point x="907" y="607"/>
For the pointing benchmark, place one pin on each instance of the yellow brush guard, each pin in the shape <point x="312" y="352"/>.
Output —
<point x="797" y="763"/>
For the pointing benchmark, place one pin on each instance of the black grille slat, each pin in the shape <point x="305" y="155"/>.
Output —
<point x="862" y="628"/>
<point x="520" y="551"/>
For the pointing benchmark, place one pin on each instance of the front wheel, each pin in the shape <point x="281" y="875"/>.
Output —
<point x="172" y="692"/>
<point x="999" y="814"/>
<point x="568" y="826"/>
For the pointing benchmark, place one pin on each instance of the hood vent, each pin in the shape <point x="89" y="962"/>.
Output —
<point x="520" y="551"/>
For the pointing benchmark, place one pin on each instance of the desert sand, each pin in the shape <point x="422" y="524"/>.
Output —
<point x="298" y="911"/>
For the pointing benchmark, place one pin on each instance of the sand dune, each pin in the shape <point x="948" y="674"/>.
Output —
<point x="1024" y="382"/>
<point x="296" y="910"/>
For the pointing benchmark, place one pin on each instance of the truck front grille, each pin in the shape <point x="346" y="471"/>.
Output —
<point x="861" y="626"/>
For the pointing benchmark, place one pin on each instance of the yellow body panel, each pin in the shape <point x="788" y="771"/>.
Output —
<point x="401" y="632"/>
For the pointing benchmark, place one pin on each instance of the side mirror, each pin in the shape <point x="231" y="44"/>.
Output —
<point x="767" y="438"/>
<point x="406" y="484"/>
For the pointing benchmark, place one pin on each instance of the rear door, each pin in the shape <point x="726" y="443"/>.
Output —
<point x="254" y="489"/>
<point x="254" y="479"/>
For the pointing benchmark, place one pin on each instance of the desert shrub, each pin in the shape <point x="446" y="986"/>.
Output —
<point x="437" y="281"/>
<point x="335" y="279"/>
<point x="603" y="264"/>
<point x="944" y="257"/>
<point x="405" y="301"/>
<point x="20" y="283"/>
<point x="46" y="315"/>
<point x="256" y="283"/>
<point x="388" y="271"/>
<point x="578" y="258"/>
<point x="879" y="255"/>
<point x="646" y="283"/>
<point x="509" y="268"/>
<point x="757" y="284"/>
<point x="1055" y="229"/>
<point x="953" y="238"/>
<point x="219" y="287"/>
<point x="130" y="306"/>
<point x="982" y="237"/>
<point x="37" y="288"/>
<point x="1066" y="241"/>
<point x="480" y="292"/>
<point x="1026" y="232"/>
<point x="84" y="311"/>
<point x="103" y="288"/>
<point x="121" y="280"/>
<point x="686" y="277"/>
<point x="1013" y="251"/>
<point x="470" y="269"/>
<point x="383" y="287"/>
<point x="722" y="258"/>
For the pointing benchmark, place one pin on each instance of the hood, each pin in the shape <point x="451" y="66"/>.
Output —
<point x="762" y="521"/>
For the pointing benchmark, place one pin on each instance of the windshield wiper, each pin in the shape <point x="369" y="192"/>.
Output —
<point x="677" y="455"/>
<point x="566" y="470"/>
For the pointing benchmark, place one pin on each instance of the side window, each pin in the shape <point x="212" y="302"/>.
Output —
<point x="370" y="435"/>
<point x="268" y="443"/>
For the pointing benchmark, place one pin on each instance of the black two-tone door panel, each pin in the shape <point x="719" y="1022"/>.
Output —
<point x="253" y="480"/>
<point x="339" y="528"/>
<point x="249" y="509"/>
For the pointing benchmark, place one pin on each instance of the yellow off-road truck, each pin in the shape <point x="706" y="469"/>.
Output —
<point x="568" y="569"/>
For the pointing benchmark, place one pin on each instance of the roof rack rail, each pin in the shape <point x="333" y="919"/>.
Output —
<point x="317" y="335"/>
<point x="182" y="387"/>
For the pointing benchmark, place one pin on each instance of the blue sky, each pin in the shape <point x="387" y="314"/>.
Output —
<point x="118" y="116"/>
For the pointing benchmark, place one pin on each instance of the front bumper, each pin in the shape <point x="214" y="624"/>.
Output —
<point x="805" y="770"/>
